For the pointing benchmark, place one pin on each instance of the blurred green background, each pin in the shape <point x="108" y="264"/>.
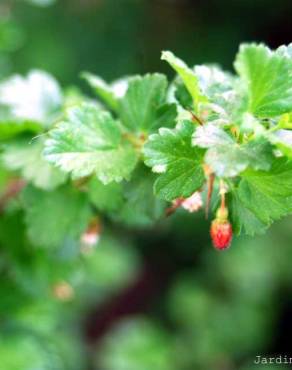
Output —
<point x="161" y="298"/>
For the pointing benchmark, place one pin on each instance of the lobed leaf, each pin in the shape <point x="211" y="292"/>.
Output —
<point x="141" y="207"/>
<point x="109" y="93"/>
<point x="228" y="158"/>
<point x="188" y="76"/>
<point x="28" y="159"/>
<point x="90" y="142"/>
<point x="144" y="107"/>
<point x="171" y="152"/>
<point x="54" y="217"/>
<point x="268" y="195"/>
<point x="268" y="80"/>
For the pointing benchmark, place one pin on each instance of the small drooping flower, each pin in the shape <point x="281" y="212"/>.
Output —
<point x="193" y="203"/>
<point x="221" y="230"/>
<point x="90" y="238"/>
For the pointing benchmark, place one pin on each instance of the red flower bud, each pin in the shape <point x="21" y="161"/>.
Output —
<point x="221" y="233"/>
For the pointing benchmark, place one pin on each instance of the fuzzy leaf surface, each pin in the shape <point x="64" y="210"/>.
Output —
<point x="268" y="194"/>
<point x="188" y="76"/>
<point x="90" y="142"/>
<point x="170" y="153"/>
<point x="268" y="80"/>
<point x="144" y="108"/>
<point x="108" y="93"/>
<point x="28" y="159"/>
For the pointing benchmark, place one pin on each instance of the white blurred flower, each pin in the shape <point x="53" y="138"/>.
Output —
<point x="90" y="239"/>
<point x="35" y="97"/>
<point x="193" y="203"/>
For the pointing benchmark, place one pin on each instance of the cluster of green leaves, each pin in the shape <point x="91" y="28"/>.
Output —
<point x="107" y="154"/>
<point x="44" y="261"/>
<point x="237" y="125"/>
<point x="145" y="142"/>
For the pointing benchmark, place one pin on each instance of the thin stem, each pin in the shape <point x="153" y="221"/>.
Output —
<point x="196" y="118"/>
<point x="211" y="179"/>
<point x="222" y="191"/>
<point x="137" y="142"/>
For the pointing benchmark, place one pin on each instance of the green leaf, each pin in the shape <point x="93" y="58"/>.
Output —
<point x="144" y="108"/>
<point x="165" y="116"/>
<point x="268" y="80"/>
<point x="268" y="194"/>
<point x="285" y="51"/>
<point x="226" y="160"/>
<point x="181" y="94"/>
<point x="282" y="139"/>
<point x="226" y="157"/>
<point x="109" y="93"/>
<point x="105" y="197"/>
<point x="35" y="98"/>
<point x="170" y="152"/>
<point x="141" y="206"/>
<point x="10" y="128"/>
<point x="53" y="217"/>
<point x="209" y="135"/>
<point x="259" y="153"/>
<point x="188" y="76"/>
<point x="244" y="220"/>
<point x="90" y="142"/>
<point x="215" y="84"/>
<point x="285" y="121"/>
<point x="27" y="157"/>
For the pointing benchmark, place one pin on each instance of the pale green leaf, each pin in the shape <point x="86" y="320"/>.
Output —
<point x="90" y="142"/>
<point x="27" y="157"/>
<point x="188" y="76"/>
<point x="268" y="80"/>
<point x="216" y="84"/>
<point x="282" y="139"/>
<point x="228" y="158"/>
<point x="109" y="93"/>
<point x="285" y="50"/>
<point x="210" y="135"/>
<point x="259" y="153"/>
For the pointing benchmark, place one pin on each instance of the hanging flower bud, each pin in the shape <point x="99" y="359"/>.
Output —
<point x="221" y="230"/>
<point x="90" y="238"/>
<point x="193" y="203"/>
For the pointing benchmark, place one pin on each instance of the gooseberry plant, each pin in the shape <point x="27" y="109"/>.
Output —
<point x="208" y="140"/>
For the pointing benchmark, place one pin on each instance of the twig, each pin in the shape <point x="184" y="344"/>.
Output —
<point x="14" y="187"/>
